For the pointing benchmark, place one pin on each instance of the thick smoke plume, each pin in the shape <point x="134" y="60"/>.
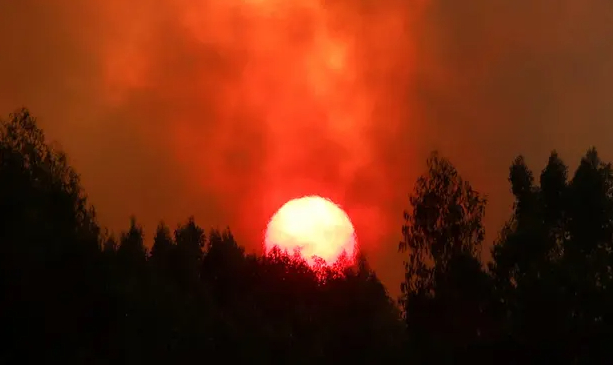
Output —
<point x="226" y="109"/>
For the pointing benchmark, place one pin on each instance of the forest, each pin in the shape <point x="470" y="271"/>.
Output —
<point x="72" y="292"/>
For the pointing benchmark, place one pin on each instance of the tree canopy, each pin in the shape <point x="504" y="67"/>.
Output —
<point x="71" y="291"/>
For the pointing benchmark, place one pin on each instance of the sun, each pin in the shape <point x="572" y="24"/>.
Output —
<point x="314" y="225"/>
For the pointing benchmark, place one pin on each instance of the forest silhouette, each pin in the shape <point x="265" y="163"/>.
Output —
<point x="74" y="293"/>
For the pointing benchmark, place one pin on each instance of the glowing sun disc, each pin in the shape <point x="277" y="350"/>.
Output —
<point x="314" y="225"/>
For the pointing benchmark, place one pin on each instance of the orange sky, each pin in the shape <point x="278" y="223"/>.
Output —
<point x="225" y="109"/>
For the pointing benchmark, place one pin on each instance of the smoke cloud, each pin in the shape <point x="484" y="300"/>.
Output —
<point x="226" y="109"/>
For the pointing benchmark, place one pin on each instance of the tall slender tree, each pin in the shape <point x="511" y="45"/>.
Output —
<point x="445" y="288"/>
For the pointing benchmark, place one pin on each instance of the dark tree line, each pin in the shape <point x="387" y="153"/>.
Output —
<point x="74" y="293"/>
<point x="546" y="296"/>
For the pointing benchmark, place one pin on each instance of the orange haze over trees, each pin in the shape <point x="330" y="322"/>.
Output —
<point x="234" y="103"/>
<point x="225" y="110"/>
<point x="290" y="96"/>
<point x="296" y="92"/>
<point x="77" y="293"/>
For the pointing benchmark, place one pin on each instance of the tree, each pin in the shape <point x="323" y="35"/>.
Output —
<point x="49" y="246"/>
<point x="445" y="288"/>
<point x="40" y="189"/>
<point x="162" y="251"/>
<point x="551" y="264"/>
<point x="224" y="267"/>
<point x="523" y="245"/>
<point x="590" y="205"/>
<point x="357" y="308"/>
<point x="109" y="244"/>
<point x="132" y="252"/>
<point x="190" y="240"/>
<point x="587" y="258"/>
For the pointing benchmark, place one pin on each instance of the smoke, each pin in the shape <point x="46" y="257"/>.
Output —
<point x="226" y="109"/>
<point x="264" y="101"/>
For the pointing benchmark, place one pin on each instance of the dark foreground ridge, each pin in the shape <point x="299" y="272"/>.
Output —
<point x="72" y="293"/>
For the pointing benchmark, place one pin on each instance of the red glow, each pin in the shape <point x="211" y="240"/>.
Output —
<point x="263" y="100"/>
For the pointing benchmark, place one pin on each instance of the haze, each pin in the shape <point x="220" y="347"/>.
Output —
<point x="225" y="109"/>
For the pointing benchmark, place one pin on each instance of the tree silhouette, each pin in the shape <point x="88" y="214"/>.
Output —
<point x="48" y="233"/>
<point x="551" y="265"/>
<point x="132" y="252"/>
<point x="588" y="255"/>
<point x="163" y="251"/>
<point x="109" y="244"/>
<point x="190" y="240"/>
<point x="224" y="267"/>
<point x="74" y="292"/>
<point x="358" y="293"/>
<point x="445" y="289"/>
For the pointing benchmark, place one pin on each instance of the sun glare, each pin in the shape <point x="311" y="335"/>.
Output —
<point x="315" y="226"/>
